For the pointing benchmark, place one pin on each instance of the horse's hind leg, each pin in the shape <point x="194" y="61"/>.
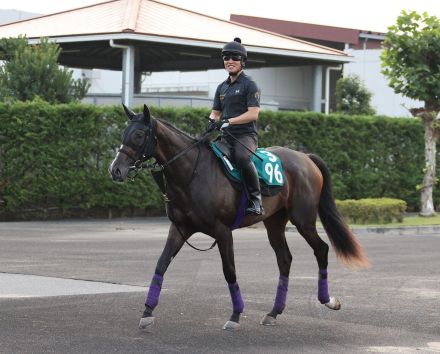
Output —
<point x="175" y="241"/>
<point x="320" y="249"/>
<point x="275" y="226"/>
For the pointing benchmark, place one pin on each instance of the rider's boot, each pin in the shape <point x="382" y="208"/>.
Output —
<point x="250" y="176"/>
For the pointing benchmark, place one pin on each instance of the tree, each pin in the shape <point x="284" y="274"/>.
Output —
<point x="352" y="97"/>
<point x="411" y="62"/>
<point x="33" y="70"/>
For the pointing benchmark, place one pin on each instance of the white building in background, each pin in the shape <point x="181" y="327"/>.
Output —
<point x="368" y="66"/>
<point x="283" y="88"/>
<point x="102" y="81"/>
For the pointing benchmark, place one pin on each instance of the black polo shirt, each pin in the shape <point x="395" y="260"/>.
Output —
<point x="234" y="99"/>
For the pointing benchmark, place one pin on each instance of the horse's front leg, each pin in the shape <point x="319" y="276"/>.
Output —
<point x="176" y="239"/>
<point x="226" y="248"/>
<point x="275" y="226"/>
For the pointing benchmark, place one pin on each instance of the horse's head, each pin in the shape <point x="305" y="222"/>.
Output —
<point x="138" y="143"/>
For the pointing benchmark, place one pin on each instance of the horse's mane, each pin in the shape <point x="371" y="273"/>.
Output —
<point x="172" y="127"/>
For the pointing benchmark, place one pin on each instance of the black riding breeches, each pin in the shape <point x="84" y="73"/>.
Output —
<point x="240" y="155"/>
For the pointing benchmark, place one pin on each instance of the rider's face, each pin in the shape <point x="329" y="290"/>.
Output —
<point x="232" y="66"/>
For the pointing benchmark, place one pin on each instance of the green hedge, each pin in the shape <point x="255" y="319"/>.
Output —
<point x="54" y="161"/>
<point x="372" y="210"/>
<point x="368" y="156"/>
<point x="54" y="158"/>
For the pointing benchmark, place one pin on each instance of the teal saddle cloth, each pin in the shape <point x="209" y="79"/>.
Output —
<point x="269" y="168"/>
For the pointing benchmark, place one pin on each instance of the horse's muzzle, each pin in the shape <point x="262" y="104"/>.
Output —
<point x="116" y="175"/>
<point x="115" y="171"/>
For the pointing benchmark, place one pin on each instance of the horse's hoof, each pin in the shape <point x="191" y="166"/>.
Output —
<point x="231" y="326"/>
<point x="146" y="322"/>
<point x="268" y="321"/>
<point x="333" y="304"/>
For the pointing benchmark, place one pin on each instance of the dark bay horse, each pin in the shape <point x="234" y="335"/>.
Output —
<point x="200" y="198"/>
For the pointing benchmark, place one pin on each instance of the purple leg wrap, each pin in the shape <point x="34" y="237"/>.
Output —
<point x="323" y="295"/>
<point x="280" y="298"/>
<point x="154" y="292"/>
<point x="237" y="301"/>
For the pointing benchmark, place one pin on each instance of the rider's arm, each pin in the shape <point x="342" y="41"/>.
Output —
<point x="216" y="112"/>
<point x="249" y="116"/>
<point x="216" y="115"/>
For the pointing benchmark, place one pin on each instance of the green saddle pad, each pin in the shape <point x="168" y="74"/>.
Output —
<point x="270" y="170"/>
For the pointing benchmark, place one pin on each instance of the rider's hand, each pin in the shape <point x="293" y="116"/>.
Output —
<point x="222" y="124"/>
<point x="212" y="125"/>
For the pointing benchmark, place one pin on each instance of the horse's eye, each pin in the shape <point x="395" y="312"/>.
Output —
<point x="138" y="137"/>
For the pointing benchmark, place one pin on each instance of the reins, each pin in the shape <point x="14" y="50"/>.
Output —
<point x="156" y="169"/>
<point x="160" y="180"/>
<point x="156" y="166"/>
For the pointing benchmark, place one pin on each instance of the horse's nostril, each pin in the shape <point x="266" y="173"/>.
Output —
<point x="116" y="173"/>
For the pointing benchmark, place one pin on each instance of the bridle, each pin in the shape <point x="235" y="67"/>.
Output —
<point x="148" y="149"/>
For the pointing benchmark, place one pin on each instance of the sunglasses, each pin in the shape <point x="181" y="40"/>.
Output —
<point x="233" y="57"/>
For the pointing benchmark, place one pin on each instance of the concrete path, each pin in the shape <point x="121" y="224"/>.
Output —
<point x="79" y="286"/>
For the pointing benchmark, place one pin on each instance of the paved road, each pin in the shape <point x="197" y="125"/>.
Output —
<point x="78" y="287"/>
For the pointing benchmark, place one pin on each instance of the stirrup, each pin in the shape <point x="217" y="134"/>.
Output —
<point x="256" y="208"/>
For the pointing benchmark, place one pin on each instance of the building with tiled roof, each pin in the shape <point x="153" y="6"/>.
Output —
<point x="146" y="36"/>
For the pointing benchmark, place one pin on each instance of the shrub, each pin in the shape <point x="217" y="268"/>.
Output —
<point x="33" y="71"/>
<point x="352" y="97"/>
<point x="372" y="210"/>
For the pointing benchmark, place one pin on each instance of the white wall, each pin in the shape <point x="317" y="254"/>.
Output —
<point x="290" y="87"/>
<point x="103" y="81"/>
<point x="384" y="100"/>
<point x="192" y="83"/>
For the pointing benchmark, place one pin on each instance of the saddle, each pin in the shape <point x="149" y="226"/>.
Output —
<point x="268" y="165"/>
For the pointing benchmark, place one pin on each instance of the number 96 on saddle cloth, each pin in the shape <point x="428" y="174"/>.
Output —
<point x="268" y="165"/>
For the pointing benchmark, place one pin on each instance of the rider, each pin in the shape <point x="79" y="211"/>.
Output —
<point x="235" y="110"/>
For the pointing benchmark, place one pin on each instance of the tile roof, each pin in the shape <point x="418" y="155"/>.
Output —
<point x="153" y="18"/>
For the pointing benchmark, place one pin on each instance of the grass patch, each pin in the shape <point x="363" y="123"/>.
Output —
<point x="408" y="220"/>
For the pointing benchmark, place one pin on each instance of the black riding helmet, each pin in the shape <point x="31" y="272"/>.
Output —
<point x="235" y="47"/>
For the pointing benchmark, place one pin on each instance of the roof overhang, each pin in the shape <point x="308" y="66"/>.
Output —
<point x="161" y="53"/>
<point x="163" y="37"/>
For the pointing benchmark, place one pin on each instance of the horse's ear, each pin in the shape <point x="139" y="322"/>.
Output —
<point x="130" y="114"/>
<point x="147" y="115"/>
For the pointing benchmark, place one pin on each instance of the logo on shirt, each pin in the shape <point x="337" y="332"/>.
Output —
<point x="237" y="91"/>
<point x="257" y="96"/>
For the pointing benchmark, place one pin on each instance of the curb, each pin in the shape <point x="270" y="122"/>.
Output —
<point x="403" y="230"/>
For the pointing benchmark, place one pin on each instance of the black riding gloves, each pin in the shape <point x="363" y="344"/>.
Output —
<point x="217" y="124"/>
<point x="222" y="124"/>
<point x="212" y="125"/>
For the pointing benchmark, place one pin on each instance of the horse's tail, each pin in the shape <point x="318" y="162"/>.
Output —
<point x="347" y="247"/>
